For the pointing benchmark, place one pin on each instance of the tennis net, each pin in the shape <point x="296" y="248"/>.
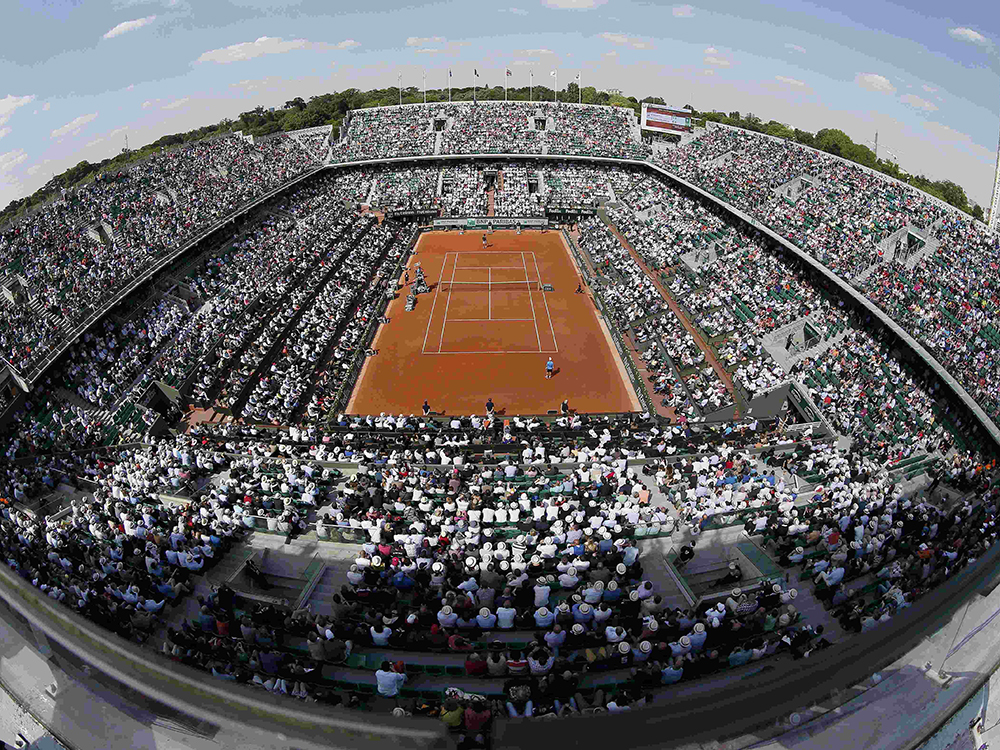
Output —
<point x="490" y="286"/>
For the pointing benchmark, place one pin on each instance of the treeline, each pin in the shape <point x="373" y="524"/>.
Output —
<point x="838" y="143"/>
<point x="330" y="109"/>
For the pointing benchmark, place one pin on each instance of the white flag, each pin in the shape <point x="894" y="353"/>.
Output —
<point x="552" y="73"/>
<point x="578" y="76"/>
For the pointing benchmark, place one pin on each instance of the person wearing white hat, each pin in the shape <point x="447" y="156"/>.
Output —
<point x="544" y="617"/>
<point x="569" y="579"/>
<point x="642" y="652"/>
<point x="681" y="647"/>
<point x="447" y="617"/>
<point x="697" y="637"/>
<point x="583" y="613"/>
<point x="486" y="620"/>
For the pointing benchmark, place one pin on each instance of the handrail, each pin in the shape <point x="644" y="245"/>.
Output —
<point x="281" y="720"/>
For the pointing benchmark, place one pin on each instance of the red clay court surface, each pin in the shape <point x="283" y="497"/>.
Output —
<point x="487" y="331"/>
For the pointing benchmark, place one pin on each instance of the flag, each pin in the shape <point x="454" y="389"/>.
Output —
<point x="476" y="72"/>
<point x="508" y="72"/>
<point x="552" y="73"/>
<point x="578" y="76"/>
<point x="449" y="74"/>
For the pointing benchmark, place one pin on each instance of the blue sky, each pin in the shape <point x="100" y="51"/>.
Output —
<point x="80" y="76"/>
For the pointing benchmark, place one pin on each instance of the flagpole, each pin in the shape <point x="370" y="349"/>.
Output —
<point x="579" y="85"/>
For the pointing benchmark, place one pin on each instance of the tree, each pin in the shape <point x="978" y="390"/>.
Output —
<point x="833" y="141"/>
<point x="780" y="130"/>
<point x="804" y="137"/>
<point x="977" y="212"/>
<point x="954" y="194"/>
<point x="296" y="103"/>
<point x="735" y="115"/>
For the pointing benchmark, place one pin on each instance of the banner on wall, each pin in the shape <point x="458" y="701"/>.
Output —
<point x="480" y="222"/>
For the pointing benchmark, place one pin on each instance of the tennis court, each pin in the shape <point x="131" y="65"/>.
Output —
<point x="490" y="303"/>
<point x="487" y="328"/>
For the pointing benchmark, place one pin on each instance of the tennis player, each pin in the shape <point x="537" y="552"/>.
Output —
<point x="550" y="366"/>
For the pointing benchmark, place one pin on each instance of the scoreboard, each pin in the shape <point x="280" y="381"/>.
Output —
<point x="664" y="119"/>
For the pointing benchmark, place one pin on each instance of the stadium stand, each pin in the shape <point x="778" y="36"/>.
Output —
<point x="499" y="568"/>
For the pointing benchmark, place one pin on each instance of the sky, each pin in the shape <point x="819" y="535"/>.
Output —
<point x="81" y="76"/>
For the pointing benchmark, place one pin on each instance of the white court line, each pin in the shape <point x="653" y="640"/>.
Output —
<point x="480" y="268"/>
<point x="489" y="294"/>
<point x="447" y="304"/>
<point x="528" y="281"/>
<point x="503" y="351"/>
<point x="551" y="327"/>
<point x="490" y="320"/>
<point x="437" y="291"/>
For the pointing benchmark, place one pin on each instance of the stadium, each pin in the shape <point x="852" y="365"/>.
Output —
<point x="462" y="415"/>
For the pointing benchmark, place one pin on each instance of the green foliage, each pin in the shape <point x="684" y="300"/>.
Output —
<point x="977" y="212"/>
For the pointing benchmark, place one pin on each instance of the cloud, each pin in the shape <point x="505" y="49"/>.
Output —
<point x="149" y="103"/>
<point x="708" y="72"/>
<point x="521" y="63"/>
<point x="423" y="41"/>
<point x="915" y="101"/>
<point x="178" y="103"/>
<point x="929" y="89"/>
<point x="266" y="45"/>
<point x="720" y="61"/>
<point x="795" y="47"/>
<point x="94" y="142"/>
<point x="126" y="26"/>
<point x="573" y="4"/>
<point x="10" y="160"/>
<point x="4" y="132"/>
<point x="683" y="11"/>
<point x="10" y="103"/>
<point x="47" y="106"/>
<point x="33" y="170"/>
<point x="74" y="126"/>
<point x="620" y="38"/>
<point x="875" y="82"/>
<point x="255" y="85"/>
<point x="535" y="52"/>
<point x="710" y="50"/>
<point x="961" y="140"/>
<point x="430" y="50"/>
<point x="117" y="131"/>
<point x="964" y="34"/>
<point x="515" y="11"/>
<point x="790" y="81"/>
<point x="347" y="44"/>
<point x="612" y="53"/>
